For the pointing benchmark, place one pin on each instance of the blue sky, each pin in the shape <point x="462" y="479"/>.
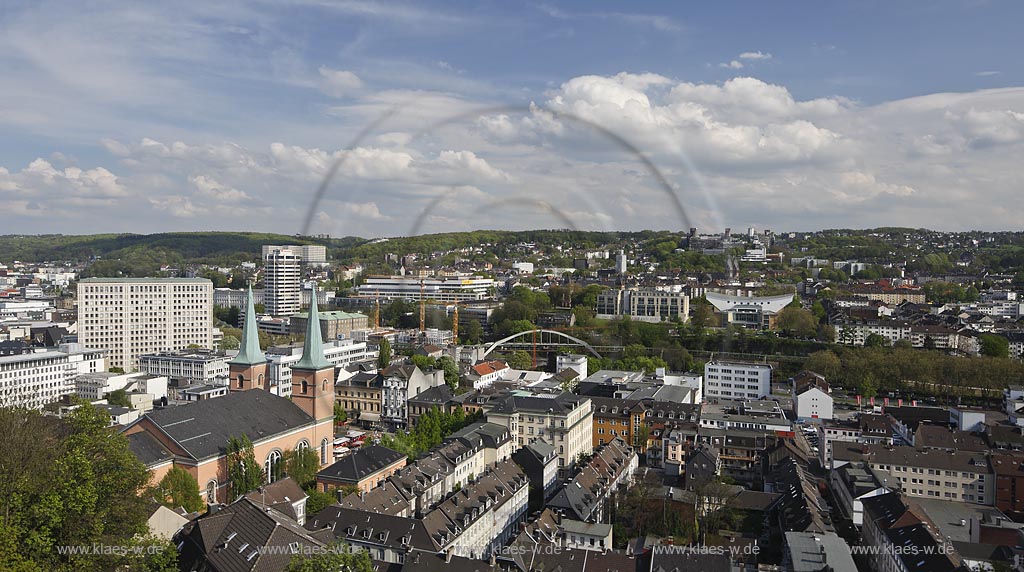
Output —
<point x="131" y="117"/>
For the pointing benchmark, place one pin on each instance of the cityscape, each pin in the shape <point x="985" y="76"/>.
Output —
<point x="579" y="287"/>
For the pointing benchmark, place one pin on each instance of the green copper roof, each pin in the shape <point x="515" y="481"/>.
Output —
<point x="313" y="348"/>
<point x="249" y="352"/>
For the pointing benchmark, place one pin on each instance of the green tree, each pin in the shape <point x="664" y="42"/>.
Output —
<point x="70" y="482"/>
<point x="116" y="370"/>
<point x="179" y="488"/>
<point x="904" y="344"/>
<point x="993" y="345"/>
<point x="119" y="398"/>
<point x="319" y="500"/>
<point x="702" y="314"/>
<point x="230" y="343"/>
<point x="425" y="363"/>
<point x="519" y="359"/>
<point x="340" y="415"/>
<point x="797" y="322"/>
<point x="818" y="309"/>
<point x="474" y="332"/>
<point x="302" y="466"/>
<point x="384" y="359"/>
<point x="338" y="557"/>
<point x="451" y="371"/>
<point x="244" y="474"/>
<point x="875" y="341"/>
<point x="825" y="362"/>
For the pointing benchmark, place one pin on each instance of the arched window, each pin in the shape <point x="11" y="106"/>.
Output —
<point x="273" y="468"/>
<point x="302" y="446"/>
<point x="260" y="380"/>
<point x="324" y="385"/>
<point x="323" y="452"/>
<point x="211" y="492"/>
<point x="305" y="386"/>
<point x="241" y="380"/>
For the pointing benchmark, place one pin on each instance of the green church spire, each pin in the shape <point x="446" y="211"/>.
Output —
<point x="313" y="349"/>
<point x="249" y="352"/>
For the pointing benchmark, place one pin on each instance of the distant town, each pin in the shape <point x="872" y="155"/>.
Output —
<point x="719" y="400"/>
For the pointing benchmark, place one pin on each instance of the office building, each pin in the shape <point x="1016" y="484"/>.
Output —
<point x="735" y="380"/>
<point x="129" y="317"/>
<point x="35" y="379"/>
<point x="644" y="304"/>
<point x="192" y="365"/>
<point x="333" y="325"/>
<point x="446" y="289"/>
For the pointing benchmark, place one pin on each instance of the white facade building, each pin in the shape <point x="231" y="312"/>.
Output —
<point x="340" y="353"/>
<point x="735" y="380"/>
<point x="574" y="361"/>
<point x="35" y="379"/>
<point x="460" y="288"/>
<point x="128" y="317"/>
<point x="811" y="402"/>
<point x="197" y="366"/>
<point x="282" y="280"/>
<point x="644" y="304"/>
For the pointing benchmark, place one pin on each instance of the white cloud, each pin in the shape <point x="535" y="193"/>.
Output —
<point x="339" y="83"/>
<point x="755" y="56"/>
<point x="733" y="65"/>
<point x="987" y="73"/>
<point x="209" y="188"/>
<point x="176" y="206"/>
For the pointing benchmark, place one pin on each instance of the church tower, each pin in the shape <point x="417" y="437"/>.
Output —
<point x="248" y="369"/>
<point x="313" y="375"/>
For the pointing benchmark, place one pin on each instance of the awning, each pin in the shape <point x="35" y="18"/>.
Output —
<point x="367" y="416"/>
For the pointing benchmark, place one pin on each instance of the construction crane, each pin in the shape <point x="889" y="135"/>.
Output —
<point x="376" y="315"/>
<point x="455" y="323"/>
<point x="423" y="307"/>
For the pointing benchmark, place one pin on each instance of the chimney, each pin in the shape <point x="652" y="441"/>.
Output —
<point x="448" y="555"/>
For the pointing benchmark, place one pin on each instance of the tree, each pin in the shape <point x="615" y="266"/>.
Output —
<point x="244" y="474"/>
<point x="425" y="363"/>
<point x="640" y="439"/>
<point x="302" y="466"/>
<point x="338" y="557"/>
<point x="319" y="500"/>
<point x="818" y="309"/>
<point x="384" y="359"/>
<point x="179" y="488"/>
<point x="904" y="344"/>
<point x="116" y="370"/>
<point x="519" y="359"/>
<point x="797" y="322"/>
<point x="826" y="333"/>
<point x="340" y="415"/>
<point x="474" y="332"/>
<point x="70" y="482"/>
<point x="994" y="345"/>
<point x="118" y="397"/>
<point x="451" y="371"/>
<point x="714" y="503"/>
<point x="230" y="343"/>
<point x="875" y="341"/>
<point x="702" y="315"/>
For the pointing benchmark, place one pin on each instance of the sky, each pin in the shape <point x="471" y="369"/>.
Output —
<point x="120" y="116"/>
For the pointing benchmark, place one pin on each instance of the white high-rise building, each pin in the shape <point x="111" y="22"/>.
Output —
<point x="282" y="280"/>
<point x="35" y="379"/>
<point x="620" y="262"/>
<point x="735" y="380"/>
<point x="128" y="317"/>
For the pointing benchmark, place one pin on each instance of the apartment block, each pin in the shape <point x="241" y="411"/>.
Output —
<point x="736" y="380"/>
<point x="34" y="379"/>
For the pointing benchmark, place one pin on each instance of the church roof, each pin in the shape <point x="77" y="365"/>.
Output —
<point x="313" y="348"/>
<point x="249" y="352"/>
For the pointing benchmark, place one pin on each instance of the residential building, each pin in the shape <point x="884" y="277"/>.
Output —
<point x="890" y="526"/>
<point x="766" y="416"/>
<point x="333" y="325"/>
<point x="564" y="420"/>
<point x="964" y="476"/>
<point x="129" y="317"/>
<point x="737" y="380"/>
<point x="282" y="279"/>
<point x="443" y="289"/>
<point x="95" y="386"/>
<point x="193" y="365"/>
<point x="1009" y="474"/>
<point x="485" y="373"/>
<point x="284" y="496"/>
<point x="401" y="383"/>
<point x="856" y="481"/>
<point x="883" y="292"/>
<point x="643" y="304"/>
<point x="34" y="379"/>
<point x="540" y="463"/>
<point x="812" y="552"/>
<point x="365" y="468"/>
<point x="741" y="452"/>
<point x="812" y="397"/>
<point x="244" y="537"/>
<point x="338" y="353"/>
<point x="703" y="465"/>
<point x="361" y="396"/>
<point x="581" y="535"/>
<point x="590" y="495"/>
<point x="575" y="361"/>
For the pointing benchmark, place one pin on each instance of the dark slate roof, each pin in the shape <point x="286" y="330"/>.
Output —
<point x="241" y="537"/>
<point x="279" y="496"/>
<point x="437" y="395"/>
<point x="147" y="449"/>
<point x="563" y="403"/>
<point x="203" y="427"/>
<point x="690" y="561"/>
<point x="361" y="463"/>
<point x="368" y="527"/>
<point x="582" y="496"/>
